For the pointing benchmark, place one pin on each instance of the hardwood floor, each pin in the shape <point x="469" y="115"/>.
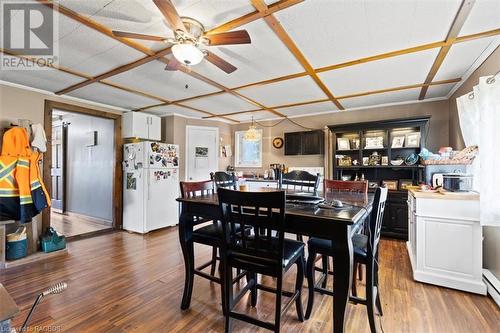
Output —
<point x="122" y="282"/>
<point x="74" y="224"/>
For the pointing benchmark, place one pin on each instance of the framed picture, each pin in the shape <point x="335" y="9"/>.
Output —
<point x="413" y="140"/>
<point x="374" y="142"/>
<point x="391" y="185"/>
<point x="404" y="183"/>
<point x="355" y="143"/>
<point x="398" y="141"/>
<point x="345" y="161"/>
<point x="343" y="144"/>
<point x="385" y="160"/>
<point x="366" y="160"/>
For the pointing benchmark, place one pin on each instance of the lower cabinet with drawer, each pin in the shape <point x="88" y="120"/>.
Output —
<point x="445" y="240"/>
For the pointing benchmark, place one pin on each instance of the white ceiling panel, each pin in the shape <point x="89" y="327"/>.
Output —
<point x="88" y="51"/>
<point x="485" y="15"/>
<point x="308" y="109"/>
<point x="439" y="91"/>
<point x="461" y="57"/>
<point x="153" y="79"/>
<point x="386" y="73"/>
<point x="101" y="93"/>
<point x="50" y="79"/>
<point x="303" y="88"/>
<point x="222" y="103"/>
<point x="385" y="98"/>
<point x="265" y="58"/>
<point x="170" y="109"/>
<point x="258" y="115"/>
<point x="330" y="32"/>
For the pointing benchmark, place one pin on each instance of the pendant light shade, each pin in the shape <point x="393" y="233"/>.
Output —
<point x="252" y="134"/>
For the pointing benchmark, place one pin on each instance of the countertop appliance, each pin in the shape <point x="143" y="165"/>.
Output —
<point x="457" y="182"/>
<point x="150" y="186"/>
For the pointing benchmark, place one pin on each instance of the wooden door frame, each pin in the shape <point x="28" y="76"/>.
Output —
<point x="118" y="144"/>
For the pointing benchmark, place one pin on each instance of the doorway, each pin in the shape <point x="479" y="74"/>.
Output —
<point x="81" y="170"/>
<point x="202" y="151"/>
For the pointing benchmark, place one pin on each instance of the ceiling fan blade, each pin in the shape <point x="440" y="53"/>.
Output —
<point x="173" y="65"/>
<point x="170" y="13"/>
<point x="137" y="36"/>
<point x="219" y="62"/>
<point x="231" y="37"/>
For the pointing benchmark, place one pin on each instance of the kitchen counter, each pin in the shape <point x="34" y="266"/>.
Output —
<point x="445" y="195"/>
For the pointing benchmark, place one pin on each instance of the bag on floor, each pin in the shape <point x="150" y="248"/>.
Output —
<point x="52" y="241"/>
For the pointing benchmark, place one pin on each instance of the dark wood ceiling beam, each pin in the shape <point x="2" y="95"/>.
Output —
<point x="371" y="92"/>
<point x="280" y="31"/>
<point x="456" y="26"/>
<point x="253" y="16"/>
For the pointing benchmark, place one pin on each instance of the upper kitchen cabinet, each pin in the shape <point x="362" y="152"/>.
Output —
<point x="304" y="143"/>
<point x="141" y="125"/>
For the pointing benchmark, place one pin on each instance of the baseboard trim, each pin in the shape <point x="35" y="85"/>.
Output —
<point x="493" y="285"/>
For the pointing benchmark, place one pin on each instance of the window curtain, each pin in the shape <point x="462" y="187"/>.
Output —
<point x="479" y="115"/>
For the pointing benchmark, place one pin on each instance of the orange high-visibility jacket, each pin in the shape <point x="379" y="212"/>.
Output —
<point x="22" y="193"/>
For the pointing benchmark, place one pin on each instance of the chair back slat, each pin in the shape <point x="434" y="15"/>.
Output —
<point x="299" y="180"/>
<point x="346" y="186"/>
<point x="375" y="223"/>
<point x="263" y="213"/>
<point x="195" y="189"/>
<point x="224" y="179"/>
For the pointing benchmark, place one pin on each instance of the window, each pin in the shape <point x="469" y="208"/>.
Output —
<point x="248" y="153"/>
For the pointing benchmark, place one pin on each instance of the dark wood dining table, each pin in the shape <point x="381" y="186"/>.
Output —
<point x="337" y="224"/>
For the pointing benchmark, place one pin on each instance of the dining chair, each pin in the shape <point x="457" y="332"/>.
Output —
<point x="207" y="234"/>
<point x="299" y="180"/>
<point x="268" y="253"/>
<point x="358" y="186"/>
<point x="224" y="179"/>
<point x="365" y="249"/>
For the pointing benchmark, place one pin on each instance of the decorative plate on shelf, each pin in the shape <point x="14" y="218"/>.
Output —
<point x="278" y="142"/>
<point x="411" y="159"/>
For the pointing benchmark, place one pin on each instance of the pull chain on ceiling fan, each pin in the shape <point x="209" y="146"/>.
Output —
<point x="189" y="37"/>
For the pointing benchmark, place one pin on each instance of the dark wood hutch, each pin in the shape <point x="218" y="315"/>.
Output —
<point x="358" y="136"/>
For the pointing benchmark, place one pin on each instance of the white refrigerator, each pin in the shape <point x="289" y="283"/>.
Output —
<point x="150" y="186"/>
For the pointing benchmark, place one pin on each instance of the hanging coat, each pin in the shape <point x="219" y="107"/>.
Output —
<point x="20" y="178"/>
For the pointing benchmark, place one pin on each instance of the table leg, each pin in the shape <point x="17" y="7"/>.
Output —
<point x="185" y="232"/>
<point x="343" y="260"/>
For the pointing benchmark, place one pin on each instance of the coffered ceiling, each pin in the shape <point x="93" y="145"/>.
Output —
<point x="306" y="57"/>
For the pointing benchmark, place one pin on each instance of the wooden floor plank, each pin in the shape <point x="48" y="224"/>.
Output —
<point x="122" y="282"/>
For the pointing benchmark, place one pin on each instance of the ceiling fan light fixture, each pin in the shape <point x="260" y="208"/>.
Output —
<point x="187" y="54"/>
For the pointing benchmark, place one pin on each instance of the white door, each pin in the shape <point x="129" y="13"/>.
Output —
<point x="202" y="147"/>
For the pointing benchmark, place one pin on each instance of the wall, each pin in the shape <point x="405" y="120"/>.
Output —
<point x="489" y="67"/>
<point x="438" y="130"/>
<point x="174" y="131"/>
<point x="491" y="243"/>
<point x="89" y="174"/>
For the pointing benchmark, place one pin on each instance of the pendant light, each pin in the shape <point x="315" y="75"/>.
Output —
<point x="252" y="134"/>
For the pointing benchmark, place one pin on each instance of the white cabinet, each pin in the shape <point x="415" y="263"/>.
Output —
<point x="141" y="125"/>
<point x="445" y="240"/>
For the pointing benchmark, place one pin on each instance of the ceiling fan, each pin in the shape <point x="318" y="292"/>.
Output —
<point x="189" y="37"/>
